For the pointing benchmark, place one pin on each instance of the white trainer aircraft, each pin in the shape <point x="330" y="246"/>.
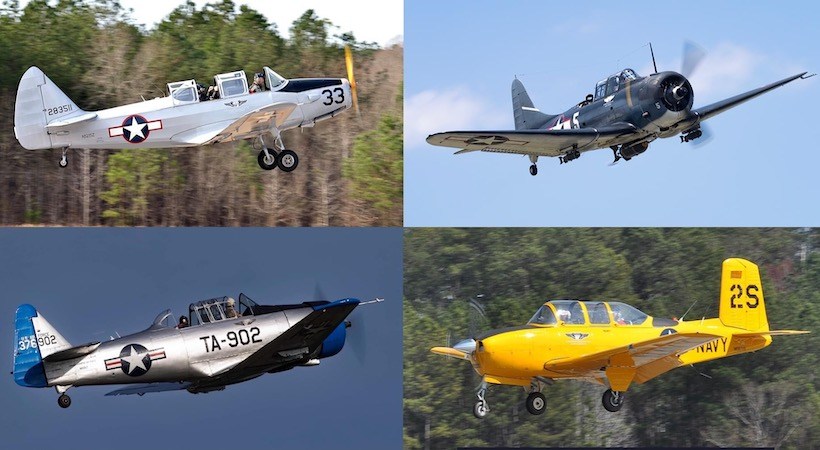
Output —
<point x="45" y="118"/>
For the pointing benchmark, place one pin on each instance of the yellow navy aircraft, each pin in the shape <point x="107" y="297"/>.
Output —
<point x="45" y="118"/>
<point x="220" y="342"/>
<point x="614" y="344"/>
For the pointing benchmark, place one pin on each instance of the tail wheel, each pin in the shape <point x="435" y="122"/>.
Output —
<point x="64" y="401"/>
<point x="288" y="160"/>
<point x="533" y="170"/>
<point x="480" y="410"/>
<point x="536" y="403"/>
<point x="613" y="400"/>
<point x="267" y="161"/>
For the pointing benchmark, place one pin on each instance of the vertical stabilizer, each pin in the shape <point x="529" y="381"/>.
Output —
<point x="741" y="296"/>
<point x="39" y="102"/>
<point x="34" y="339"/>
<point x="525" y="114"/>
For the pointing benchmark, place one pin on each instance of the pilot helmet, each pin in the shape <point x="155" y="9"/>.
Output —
<point x="231" y="301"/>
<point x="259" y="75"/>
<point x="183" y="319"/>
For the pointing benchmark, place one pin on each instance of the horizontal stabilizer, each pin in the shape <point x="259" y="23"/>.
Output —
<point x="141" y="389"/>
<point x="772" y="333"/>
<point x="82" y="117"/>
<point x="447" y="351"/>
<point x="73" y="352"/>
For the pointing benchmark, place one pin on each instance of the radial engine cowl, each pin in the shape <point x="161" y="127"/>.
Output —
<point x="676" y="92"/>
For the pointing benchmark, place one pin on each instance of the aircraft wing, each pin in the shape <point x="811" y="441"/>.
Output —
<point x="532" y="142"/>
<point x="714" y="109"/>
<point x="300" y="340"/>
<point x="664" y="349"/>
<point x="142" y="389"/>
<point x="255" y="123"/>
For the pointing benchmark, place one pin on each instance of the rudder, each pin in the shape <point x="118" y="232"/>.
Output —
<point x="39" y="101"/>
<point x="34" y="339"/>
<point x="525" y="114"/>
<point x="741" y="296"/>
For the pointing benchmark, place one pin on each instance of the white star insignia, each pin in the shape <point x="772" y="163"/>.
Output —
<point x="134" y="360"/>
<point x="136" y="128"/>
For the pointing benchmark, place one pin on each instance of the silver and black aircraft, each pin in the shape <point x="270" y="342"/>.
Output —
<point x="218" y="343"/>
<point x="625" y="113"/>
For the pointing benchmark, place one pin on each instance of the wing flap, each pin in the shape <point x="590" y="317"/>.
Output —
<point x="532" y="142"/>
<point x="255" y="123"/>
<point x="142" y="389"/>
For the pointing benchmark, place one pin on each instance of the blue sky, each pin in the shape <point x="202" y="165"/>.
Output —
<point x="93" y="283"/>
<point x="759" y="169"/>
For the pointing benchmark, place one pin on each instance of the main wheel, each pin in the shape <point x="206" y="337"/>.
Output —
<point x="533" y="170"/>
<point x="63" y="161"/>
<point x="64" y="401"/>
<point x="267" y="162"/>
<point x="536" y="403"/>
<point x="613" y="401"/>
<point x="480" y="410"/>
<point x="288" y="160"/>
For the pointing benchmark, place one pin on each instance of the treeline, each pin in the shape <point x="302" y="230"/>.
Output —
<point x="350" y="170"/>
<point x="761" y="399"/>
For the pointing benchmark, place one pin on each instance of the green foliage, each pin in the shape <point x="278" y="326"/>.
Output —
<point x="662" y="272"/>
<point x="134" y="176"/>
<point x="375" y="167"/>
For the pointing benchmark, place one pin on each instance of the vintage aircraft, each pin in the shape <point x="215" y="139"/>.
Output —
<point x="626" y="113"/>
<point x="614" y="344"/>
<point x="219" y="343"/>
<point x="45" y="117"/>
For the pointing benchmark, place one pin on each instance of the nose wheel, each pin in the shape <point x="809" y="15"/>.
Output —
<point x="64" y="401"/>
<point x="613" y="400"/>
<point x="481" y="408"/>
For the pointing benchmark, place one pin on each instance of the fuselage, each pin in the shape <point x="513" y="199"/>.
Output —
<point x="169" y="354"/>
<point x="519" y="354"/>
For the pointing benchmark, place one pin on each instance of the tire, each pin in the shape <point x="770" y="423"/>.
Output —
<point x="533" y="170"/>
<point x="267" y="165"/>
<point x="536" y="403"/>
<point x="612" y="404"/>
<point x="64" y="401"/>
<point x="288" y="161"/>
<point x="480" y="410"/>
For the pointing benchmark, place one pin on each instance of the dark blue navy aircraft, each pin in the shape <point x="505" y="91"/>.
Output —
<point x="626" y="113"/>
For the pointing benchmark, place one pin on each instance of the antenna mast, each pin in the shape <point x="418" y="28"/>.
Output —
<point x="653" y="58"/>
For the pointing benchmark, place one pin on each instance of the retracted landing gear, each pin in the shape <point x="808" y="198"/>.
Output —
<point x="269" y="159"/>
<point x="481" y="408"/>
<point x="533" y="167"/>
<point x="63" y="163"/>
<point x="613" y="400"/>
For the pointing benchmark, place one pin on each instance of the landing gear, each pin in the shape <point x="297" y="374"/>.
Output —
<point x="64" y="401"/>
<point x="267" y="159"/>
<point x="615" y="154"/>
<point x="533" y="167"/>
<point x="613" y="400"/>
<point x="288" y="160"/>
<point x="63" y="163"/>
<point x="481" y="408"/>
<point x="536" y="403"/>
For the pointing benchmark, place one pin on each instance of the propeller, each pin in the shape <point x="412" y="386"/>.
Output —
<point x="692" y="57"/>
<point x="355" y="334"/>
<point x="351" y="78"/>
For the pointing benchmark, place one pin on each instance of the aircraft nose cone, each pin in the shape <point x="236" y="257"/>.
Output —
<point x="467" y="346"/>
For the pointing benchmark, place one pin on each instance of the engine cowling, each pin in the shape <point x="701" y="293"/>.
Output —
<point x="676" y="92"/>
<point x="335" y="341"/>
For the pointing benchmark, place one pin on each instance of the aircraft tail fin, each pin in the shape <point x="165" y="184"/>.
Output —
<point x="525" y="114"/>
<point x="741" y="296"/>
<point x="39" y="102"/>
<point x="34" y="339"/>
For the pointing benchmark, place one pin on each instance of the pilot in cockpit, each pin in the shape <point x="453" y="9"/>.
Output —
<point x="258" y="83"/>
<point x="230" y="310"/>
<point x="183" y="322"/>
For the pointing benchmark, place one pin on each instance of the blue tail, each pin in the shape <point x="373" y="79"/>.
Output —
<point x="28" y="365"/>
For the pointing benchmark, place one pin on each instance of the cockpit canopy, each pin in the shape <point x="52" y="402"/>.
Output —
<point x="230" y="84"/>
<point x="613" y="83"/>
<point x="576" y="312"/>
<point x="220" y="308"/>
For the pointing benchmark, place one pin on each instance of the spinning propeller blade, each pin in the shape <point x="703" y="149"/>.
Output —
<point x="692" y="56"/>
<point x="351" y="78"/>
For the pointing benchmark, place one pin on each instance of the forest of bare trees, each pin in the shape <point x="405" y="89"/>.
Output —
<point x="350" y="171"/>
